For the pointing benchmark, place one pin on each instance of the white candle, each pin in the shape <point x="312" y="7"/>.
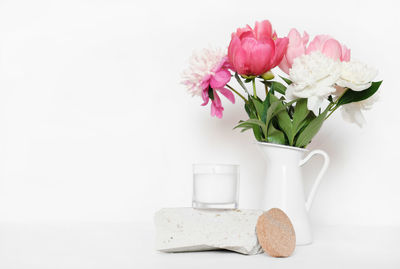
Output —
<point x="215" y="186"/>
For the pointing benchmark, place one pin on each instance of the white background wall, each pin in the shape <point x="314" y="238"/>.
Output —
<point x="94" y="124"/>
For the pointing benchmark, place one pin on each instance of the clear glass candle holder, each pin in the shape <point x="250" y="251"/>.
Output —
<point x="215" y="186"/>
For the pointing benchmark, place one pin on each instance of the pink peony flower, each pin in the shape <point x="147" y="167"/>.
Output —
<point x="330" y="47"/>
<point x="323" y="43"/>
<point x="254" y="52"/>
<point x="207" y="76"/>
<point x="296" y="48"/>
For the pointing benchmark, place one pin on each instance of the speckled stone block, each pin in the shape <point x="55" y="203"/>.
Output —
<point x="188" y="229"/>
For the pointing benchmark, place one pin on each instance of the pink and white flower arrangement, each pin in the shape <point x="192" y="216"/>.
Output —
<point x="321" y="78"/>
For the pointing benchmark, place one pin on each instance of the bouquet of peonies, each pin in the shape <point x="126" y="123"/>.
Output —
<point x="321" y="78"/>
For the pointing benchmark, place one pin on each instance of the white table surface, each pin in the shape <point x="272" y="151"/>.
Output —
<point x="131" y="245"/>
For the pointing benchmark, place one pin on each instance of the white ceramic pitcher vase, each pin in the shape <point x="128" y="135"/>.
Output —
<point x="284" y="185"/>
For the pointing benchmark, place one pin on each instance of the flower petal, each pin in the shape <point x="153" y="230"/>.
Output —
<point x="345" y="54"/>
<point x="206" y="98"/>
<point x="317" y="43"/>
<point x="222" y="64"/>
<point x="228" y="94"/>
<point x="284" y="65"/>
<point x="296" y="47"/>
<point x="233" y="46"/>
<point x="205" y="82"/>
<point x="247" y="34"/>
<point x="216" y="106"/>
<point x="263" y="30"/>
<point x="332" y="49"/>
<point x="281" y="45"/>
<point x="260" y="57"/>
<point x="246" y="31"/>
<point x="314" y="103"/>
<point x="240" y="61"/>
<point x="295" y="38"/>
<point x="220" y="79"/>
<point x="289" y="93"/>
<point x="305" y="38"/>
<point x="249" y="43"/>
<point x="352" y="114"/>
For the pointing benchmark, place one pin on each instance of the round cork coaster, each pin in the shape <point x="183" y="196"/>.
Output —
<point x="275" y="233"/>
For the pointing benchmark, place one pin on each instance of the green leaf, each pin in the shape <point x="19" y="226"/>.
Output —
<point x="251" y="111"/>
<point x="266" y="104"/>
<point x="277" y="86"/>
<point x="272" y="110"/>
<point x="283" y="119"/>
<point x="258" y="134"/>
<point x="247" y="109"/>
<point x="305" y="123"/>
<point x="300" y="113"/>
<point x="285" y="123"/>
<point x="260" y="107"/>
<point x="244" y="129"/>
<point x="259" y="123"/>
<point x="265" y="111"/>
<point x="288" y="81"/>
<point x="252" y="123"/>
<point x="241" y="82"/>
<point x="275" y="136"/>
<point x="351" y="96"/>
<point x="275" y="106"/>
<point x="211" y="93"/>
<point x="272" y="98"/>
<point x="311" y="130"/>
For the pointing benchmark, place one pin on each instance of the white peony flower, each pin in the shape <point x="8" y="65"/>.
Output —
<point x="356" y="75"/>
<point x="201" y="65"/>
<point x="314" y="76"/>
<point x="352" y="112"/>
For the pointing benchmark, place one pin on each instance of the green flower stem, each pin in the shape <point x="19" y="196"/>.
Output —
<point x="241" y="96"/>
<point x="331" y="112"/>
<point x="254" y="87"/>
<point x="266" y="88"/>
<point x="334" y="105"/>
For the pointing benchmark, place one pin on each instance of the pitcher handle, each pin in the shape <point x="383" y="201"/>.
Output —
<point x="320" y="174"/>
